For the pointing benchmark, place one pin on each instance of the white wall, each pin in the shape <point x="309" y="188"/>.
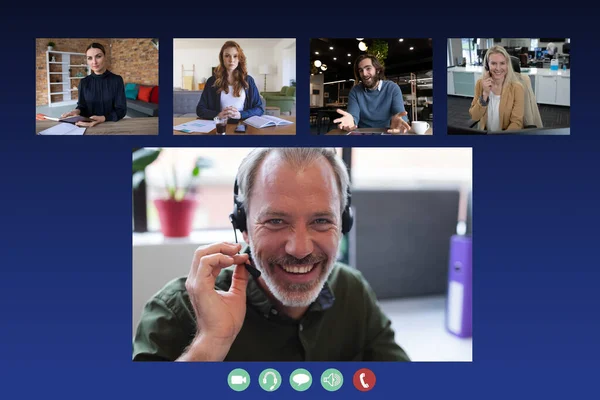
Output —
<point x="317" y="83"/>
<point x="204" y="54"/>
<point x="285" y="54"/>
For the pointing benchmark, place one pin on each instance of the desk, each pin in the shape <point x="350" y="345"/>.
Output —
<point x="126" y="126"/>
<point x="420" y="329"/>
<point x="250" y="130"/>
<point x="409" y="133"/>
<point x="549" y="87"/>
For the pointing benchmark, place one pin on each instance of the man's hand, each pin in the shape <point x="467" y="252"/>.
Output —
<point x="486" y="84"/>
<point x="346" y="121"/>
<point x="71" y="113"/>
<point x="219" y="315"/>
<point x="97" y="120"/>
<point x="398" y="124"/>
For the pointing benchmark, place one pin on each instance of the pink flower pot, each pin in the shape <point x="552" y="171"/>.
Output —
<point x="176" y="217"/>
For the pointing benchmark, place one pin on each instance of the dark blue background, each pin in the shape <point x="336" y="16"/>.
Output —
<point x="65" y="213"/>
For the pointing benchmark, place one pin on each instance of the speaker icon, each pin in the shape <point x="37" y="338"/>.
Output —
<point x="333" y="380"/>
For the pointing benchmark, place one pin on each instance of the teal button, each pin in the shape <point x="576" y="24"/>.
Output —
<point x="332" y="379"/>
<point x="269" y="380"/>
<point x="300" y="379"/>
<point x="238" y="380"/>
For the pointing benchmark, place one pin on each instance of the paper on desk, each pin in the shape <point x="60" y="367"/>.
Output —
<point x="199" y="126"/>
<point x="63" y="129"/>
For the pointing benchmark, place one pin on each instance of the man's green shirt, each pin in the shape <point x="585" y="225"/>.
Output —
<point x="344" y="323"/>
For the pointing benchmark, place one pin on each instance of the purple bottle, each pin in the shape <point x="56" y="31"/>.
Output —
<point x="459" y="308"/>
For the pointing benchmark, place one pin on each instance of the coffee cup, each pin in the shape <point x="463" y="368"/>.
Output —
<point x="420" y="127"/>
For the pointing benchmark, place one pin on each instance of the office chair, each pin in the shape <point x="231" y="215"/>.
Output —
<point x="527" y="91"/>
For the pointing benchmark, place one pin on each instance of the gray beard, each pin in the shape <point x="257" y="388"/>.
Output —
<point x="295" y="294"/>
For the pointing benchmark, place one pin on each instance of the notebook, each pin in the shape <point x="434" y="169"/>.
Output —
<point x="265" y="121"/>
<point x="64" y="129"/>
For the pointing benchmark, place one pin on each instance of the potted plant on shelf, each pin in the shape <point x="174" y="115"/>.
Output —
<point x="51" y="46"/>
<point x="176" y="210"/>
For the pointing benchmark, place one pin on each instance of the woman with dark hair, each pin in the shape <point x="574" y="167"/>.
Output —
<point x="231" y="93"/>
<point x="102" y="93"/>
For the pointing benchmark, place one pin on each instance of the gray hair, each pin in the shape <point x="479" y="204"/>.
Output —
<point x="297" y="157"/>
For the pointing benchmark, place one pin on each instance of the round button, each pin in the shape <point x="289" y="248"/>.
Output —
<point x="300" y="379"/>
<point x="364" y="379"/>
<point x="269" y="380"/>
<point x="332" y="379"/>
<point x="238" y="379"/>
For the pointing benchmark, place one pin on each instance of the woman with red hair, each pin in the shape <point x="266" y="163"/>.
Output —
<point x="231" y="93"/>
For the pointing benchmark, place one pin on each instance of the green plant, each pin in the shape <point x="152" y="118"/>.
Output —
<point x="379" y="48"/>
<point x="142" y="158"/>
<point x="51" y="44"/>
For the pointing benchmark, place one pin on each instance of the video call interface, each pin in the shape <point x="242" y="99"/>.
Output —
<point x="260" y="247"/>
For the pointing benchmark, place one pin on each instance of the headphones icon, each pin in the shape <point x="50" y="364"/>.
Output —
<point x="274" y="379"/>
<point x="238" y="216"/>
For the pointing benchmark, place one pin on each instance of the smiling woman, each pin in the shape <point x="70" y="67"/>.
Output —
<point x="499" y="102"/>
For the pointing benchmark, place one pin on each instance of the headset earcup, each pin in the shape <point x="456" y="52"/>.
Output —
<point x="239" y="217"/>
<point x="347" y="220"/>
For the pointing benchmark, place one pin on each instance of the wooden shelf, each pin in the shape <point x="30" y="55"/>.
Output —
<point x="63" y="67"/>
<point x="65" y="52"/>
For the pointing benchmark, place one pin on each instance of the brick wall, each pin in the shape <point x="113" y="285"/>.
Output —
<point x="136" y="60"/>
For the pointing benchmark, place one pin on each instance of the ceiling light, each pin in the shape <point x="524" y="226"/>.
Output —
<point x="330" y="47"/>
<point x="317" y="63"/>
<point x="324" y="67"/>
<point x="349" y="54"/>
<point x="316" y="52"/>
<point x="360" y="38"/>
<point x="320" y="72"/>
<point x="412" y="48"/>
<point x="349" y="62"/>
<point x="334" y="58"/>
<point x="362" y="46"/>
<point x="401" y="40"/>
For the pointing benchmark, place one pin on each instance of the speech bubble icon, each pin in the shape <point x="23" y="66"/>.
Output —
<point x="300" y="379"/>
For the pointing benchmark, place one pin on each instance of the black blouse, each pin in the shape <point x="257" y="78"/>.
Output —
<point x="102" y="94"/>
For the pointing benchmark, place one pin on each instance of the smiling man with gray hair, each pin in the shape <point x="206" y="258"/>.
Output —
<point x="292" y="207"/>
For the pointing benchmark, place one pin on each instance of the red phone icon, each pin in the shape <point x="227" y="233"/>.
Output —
<point x="364" y="379"/>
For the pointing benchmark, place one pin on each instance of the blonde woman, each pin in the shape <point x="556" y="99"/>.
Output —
<point x="499" y="101"/>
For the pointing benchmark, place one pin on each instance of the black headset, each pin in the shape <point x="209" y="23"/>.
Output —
<point x="238" y="216"/>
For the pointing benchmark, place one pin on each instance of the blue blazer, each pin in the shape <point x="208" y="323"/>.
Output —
<point x="209" y="105"/>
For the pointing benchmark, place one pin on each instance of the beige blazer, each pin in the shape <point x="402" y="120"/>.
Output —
<point x="511" y="107"/>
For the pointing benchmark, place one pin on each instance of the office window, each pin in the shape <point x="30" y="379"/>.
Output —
<point x="534" y="44"/>
<point x="469" y="52"/>
<point x="213" y="189"/>
<point x="392" y="168"/>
